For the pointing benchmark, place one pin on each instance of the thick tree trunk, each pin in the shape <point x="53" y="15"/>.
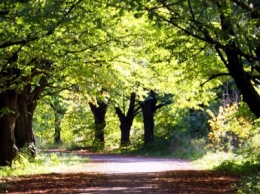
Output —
<point x="24" y="134"/>
<point x="126" y="121"/>
<point x="23" y="130"/>
<point x="125" y="126"/>
<point x="148" y="120"/>
<point x="99" y="112"/>
<point x="27" y="102"/>
<point x="125" y="134"/>
<point x="243" y="82"/>
<point x="148" y="110"/>
<point x="234" y="64"/>
<point x="8" y="107"/>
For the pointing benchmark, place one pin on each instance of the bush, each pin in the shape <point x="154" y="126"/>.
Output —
<point x="250" y="184"/>
<point x="3" y="186"/>
<point x="228" y="129"/>
<point x="250" y="181"/>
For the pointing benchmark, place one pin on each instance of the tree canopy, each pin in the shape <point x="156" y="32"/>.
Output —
<point x="228" y="29"/>
<point x="106" y="51"/>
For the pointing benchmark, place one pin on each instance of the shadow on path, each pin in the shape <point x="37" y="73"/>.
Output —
<point x="125" y="174"/>
<point x="197" y="182"/>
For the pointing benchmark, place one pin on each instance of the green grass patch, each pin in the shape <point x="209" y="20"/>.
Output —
<point x="237" y="164"/>
<point x="43" y="163"/>
<point x="250" y="171"/>
<point x="213" y="159"/>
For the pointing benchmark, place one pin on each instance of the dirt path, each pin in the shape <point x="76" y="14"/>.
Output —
<point x="107" y="164"/>
<point x="124" y="174"/>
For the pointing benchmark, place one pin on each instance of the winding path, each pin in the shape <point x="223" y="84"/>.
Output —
<point x="125" y="164"/>
<point x="111" y="163"/>
<point x="117" y="174"/>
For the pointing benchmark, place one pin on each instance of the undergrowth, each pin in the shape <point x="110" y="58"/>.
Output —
<point x="250" y="171"/>
<point x="42" y="163"/>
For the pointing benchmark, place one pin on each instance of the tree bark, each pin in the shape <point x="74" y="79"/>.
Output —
<point x="149" y="107"/>
<point x="99" y="112"/>
<point x="57" y="130"/>
<point x="148" y="110"/>
<point x="9" y="112"/>
<point x="125" y="127"/>
<point x="27" y="102"/>
<point x="234" y="64"/>
<point x="243" y="82"/>
<point x="126" y="121"/>
<point x="24" y="130"/>
<point x="59" y="111"/>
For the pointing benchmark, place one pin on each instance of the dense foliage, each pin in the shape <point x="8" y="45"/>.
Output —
<point x="149" y="74"/>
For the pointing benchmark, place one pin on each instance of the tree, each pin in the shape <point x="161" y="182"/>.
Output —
<point x="24" y="67"/>
<point x="229" y="28"/>
<point x="149" y="107"/>
<point x="126" y="119"/>
<point x="123" y="71"/>
<point x="99" y="110"/>
<point x="8" y="148"/>
<point x="42" y="42"/>
<point x="59" y="110"/>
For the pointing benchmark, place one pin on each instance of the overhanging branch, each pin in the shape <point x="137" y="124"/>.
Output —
<point x="214" y="76"/>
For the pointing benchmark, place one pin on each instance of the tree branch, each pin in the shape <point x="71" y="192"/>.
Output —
<point x="255" y="13"/>
<point x="49" y="32"/>
<point x="214" y="76"/>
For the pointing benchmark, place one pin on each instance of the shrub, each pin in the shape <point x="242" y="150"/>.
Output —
<point x="228" y="129"/>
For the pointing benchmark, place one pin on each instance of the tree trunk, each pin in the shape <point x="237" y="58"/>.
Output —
<point x="57" y="130"/>
<point x="99" y="112"/>
<point x="148" y="120"/>
<point x="24" y="134"/>
<point x="125" y="127"/>
<point x="27" y="102"/>
<point x="126" y="121"/>
<point x="243" y="82"/>
<point x="234" y="64"/>
<point x="148" y="110"/>
<point x="23" y="130"/>
<point x="8" y="107"/>
<point x="59" y="111"/>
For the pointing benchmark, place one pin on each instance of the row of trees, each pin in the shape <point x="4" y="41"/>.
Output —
<point x="47" y="47"/>
<point x="108" y="50"/>
<point x="126" y="116"/>
<point x="37" y="53"/>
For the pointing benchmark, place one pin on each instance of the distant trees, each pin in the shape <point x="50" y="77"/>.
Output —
<point x="126" y="119"/>
<point x="59" y="110"/>
<point x="149" y="106"/>
<point x="99" y="110"/>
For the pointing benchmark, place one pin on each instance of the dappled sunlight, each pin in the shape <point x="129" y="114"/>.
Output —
<point x="105" y="163"/>
<point x="122" y="174"/>
<point x="164" y="182"/>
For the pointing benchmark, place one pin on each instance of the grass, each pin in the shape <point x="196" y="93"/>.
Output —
<point x="42" y="163"/>
<point x="248" y="169"/>
<point x="183" y="148"/>
<point x="213" y="159"/>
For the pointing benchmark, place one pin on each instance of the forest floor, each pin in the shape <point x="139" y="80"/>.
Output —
<point x="126" y="174"/>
